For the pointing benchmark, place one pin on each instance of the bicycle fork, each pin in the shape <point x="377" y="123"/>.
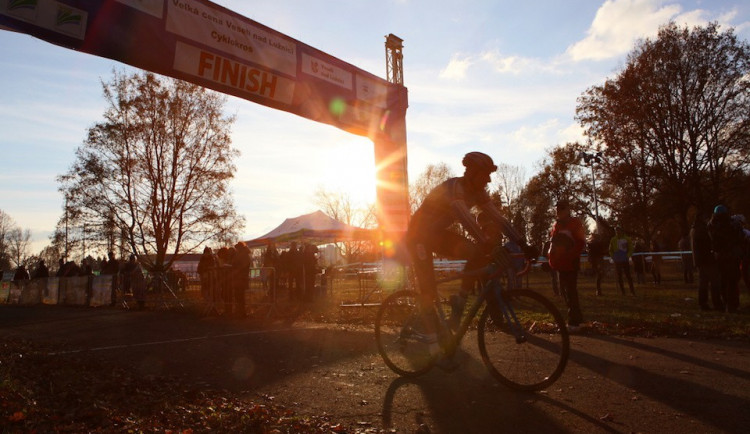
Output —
<point x="509" y="315"/>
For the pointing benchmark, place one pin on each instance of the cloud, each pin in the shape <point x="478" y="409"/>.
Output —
<point x="618" y="24"/>
<point x="456" y="69"/>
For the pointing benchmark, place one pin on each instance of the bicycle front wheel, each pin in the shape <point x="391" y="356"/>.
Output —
<point x="399" y="333"/>
<point x="531" y="355"/>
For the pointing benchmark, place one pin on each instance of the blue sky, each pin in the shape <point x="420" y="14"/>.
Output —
<point x="497" y="76"/>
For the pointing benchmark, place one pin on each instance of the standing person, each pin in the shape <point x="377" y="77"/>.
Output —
<point x="241" y="263"/>
<point x="310" y="267"/>
<point x="620" y="250"/>
<point x="21" y="273"/>
<point x="207" y="273"/>
<point x="112" y="268"/>
<point x="567" y="242"/>
<point x="296" y="270"/>
<point x="687" y="258"/>
<point x="705" y="262"/>
<point x="136" y="281"/>
<point x="127" y="273"/>
<point x="726" y="243"/>
<point x="41" y="270"/>
<point x="270" y="270"/>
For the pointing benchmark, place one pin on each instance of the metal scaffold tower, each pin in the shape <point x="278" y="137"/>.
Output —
<point x="394" y="59"/>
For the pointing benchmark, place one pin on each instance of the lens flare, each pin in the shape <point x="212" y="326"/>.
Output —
<point x="337" y="107"/>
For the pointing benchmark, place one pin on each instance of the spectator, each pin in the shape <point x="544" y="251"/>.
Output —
<point x="687" y="258"/>
<point x="310" y="267"/>
<point x="620" y="250"/>
<point x="41" y="270"/>
<point x="726" y="243"/>
<point x="21" y="273"/>
<point x="60" y="268"/>
<point x="597" y="249"/>
<point x="241" y="263"/>
<point x="705" y="262"/>
<point x="127" y="273"/>
<point x="207" y="273"/>
<point x="567" y="242"/>
<point x="639" y="261"/>
<point x="270" y="268"/>
<point x="296" y="266"/>
<point x="137" y="281"/>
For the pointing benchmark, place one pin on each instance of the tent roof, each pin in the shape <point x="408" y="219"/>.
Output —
<point x="315" y="228"/>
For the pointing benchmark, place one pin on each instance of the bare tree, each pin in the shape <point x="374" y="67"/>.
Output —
<point x="19" y="241"/>
<point x="156" y="169"/>
<point x="339" y="206"/>
<point x="6" y="226"/>
<point x="509" y="183"/>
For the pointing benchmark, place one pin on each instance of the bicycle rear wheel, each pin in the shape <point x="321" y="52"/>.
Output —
<point x="536" y="359"/>
<point x="399" y="335"/>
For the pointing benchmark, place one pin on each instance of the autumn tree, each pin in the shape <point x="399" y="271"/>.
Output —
<point x="155" y="170"/>
<point x="561" y="176"/>
<point x="674" y="124"/>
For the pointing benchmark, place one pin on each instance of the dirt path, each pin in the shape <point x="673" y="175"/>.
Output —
<point x="611" y="384"/>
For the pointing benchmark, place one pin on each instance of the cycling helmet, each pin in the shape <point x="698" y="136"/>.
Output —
<point x="721" y="209"/>
<point x="479" y="161"/>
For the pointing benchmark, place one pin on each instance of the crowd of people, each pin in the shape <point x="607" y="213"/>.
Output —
<point x="224" y="274"/>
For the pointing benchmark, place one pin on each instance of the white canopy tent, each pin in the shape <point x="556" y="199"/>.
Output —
<point x="315" y="228"/>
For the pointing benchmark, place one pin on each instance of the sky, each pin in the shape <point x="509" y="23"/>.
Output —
<point x="497" y="76"/>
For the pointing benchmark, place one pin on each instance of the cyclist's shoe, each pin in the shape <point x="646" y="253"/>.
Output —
<point x="457" y="303"/>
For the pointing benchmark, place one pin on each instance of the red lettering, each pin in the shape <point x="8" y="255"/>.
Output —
<point x="230" y="72"/>
<point x="252" y="75"/>
<point x="204" y="62"/>
<point x="269" y="82"/>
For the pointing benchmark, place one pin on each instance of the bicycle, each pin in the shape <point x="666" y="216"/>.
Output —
<point x="522" y="337"/>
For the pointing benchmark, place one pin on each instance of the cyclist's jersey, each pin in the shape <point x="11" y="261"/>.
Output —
<point x="452" y="201"/>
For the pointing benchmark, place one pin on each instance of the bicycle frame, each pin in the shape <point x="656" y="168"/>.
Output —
<point x="492" y="284"/>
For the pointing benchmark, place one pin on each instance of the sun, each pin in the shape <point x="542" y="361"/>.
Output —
<point x="350" y="169"/>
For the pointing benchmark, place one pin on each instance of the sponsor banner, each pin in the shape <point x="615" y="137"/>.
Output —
<point x="212" y="27"/>
<point x="151" y="7"/>
<point x="371" y="91"/>
<point x="247" y="79"/>
<point x="325" y="71"/>
<point x="48" y="14"/>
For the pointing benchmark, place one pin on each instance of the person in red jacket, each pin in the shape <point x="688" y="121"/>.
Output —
<point x="568" y="240"/>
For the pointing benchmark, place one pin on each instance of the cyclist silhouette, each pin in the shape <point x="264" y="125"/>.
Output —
<point x="429" y="230"/>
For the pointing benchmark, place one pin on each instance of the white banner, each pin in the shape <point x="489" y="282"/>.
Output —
<point x="211" y="27"/>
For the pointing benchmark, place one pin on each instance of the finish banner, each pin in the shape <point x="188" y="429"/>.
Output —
<point x="209" y="45"/>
